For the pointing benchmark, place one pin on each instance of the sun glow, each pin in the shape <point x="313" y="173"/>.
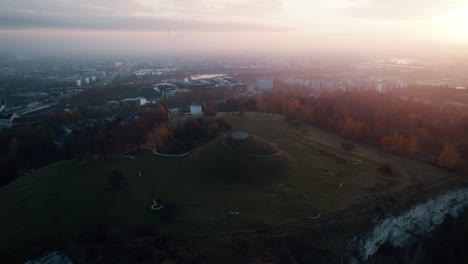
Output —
<point x="453" y="26"/>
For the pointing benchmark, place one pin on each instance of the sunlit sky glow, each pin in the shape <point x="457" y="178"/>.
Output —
<point x="126" y="25"/>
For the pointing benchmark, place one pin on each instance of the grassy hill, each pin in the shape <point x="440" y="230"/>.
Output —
<point x="250" y="146"/>
<point x="251" y="161"/>
<point x="311" y="176"/>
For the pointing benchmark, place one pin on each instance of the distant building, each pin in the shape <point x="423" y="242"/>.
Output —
<point x="196" y="109"/>
<point x="112" y="102"/>
<point x="169" y="93"/>
<point x="173" y="112"/>
<point x="138" y="100"/>
<point x="6" y="120"/>
<point x="158" y="72"/>
<point x="459" y="105"/>
<point x="388" y="86"/>
<point x="78" y="82"/>
<point x="26" y="115"/>
<point x="265" y="83"/>
<point x="240" y="87"/>
<point x="436" y="83"/>
<point x="86" y="80"/>
<point x="160" y="87"/>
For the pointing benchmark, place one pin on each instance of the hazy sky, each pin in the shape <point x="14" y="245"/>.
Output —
<point x="144" y="25"/>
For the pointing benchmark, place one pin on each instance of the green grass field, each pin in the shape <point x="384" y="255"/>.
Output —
<point x="70" y="197"/>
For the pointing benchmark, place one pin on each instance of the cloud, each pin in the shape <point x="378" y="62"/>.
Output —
<point x="257" y="8"/>
<point x="66" y="7"/>
<point x="127" y="23"/>
<point x="397" y="9"/>
<point x="139" y="15"/>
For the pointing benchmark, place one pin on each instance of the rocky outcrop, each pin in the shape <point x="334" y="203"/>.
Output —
<point x="51" y="258"/>
<point x="414" y="224"/>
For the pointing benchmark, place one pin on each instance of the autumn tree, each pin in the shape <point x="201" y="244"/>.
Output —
<point x="403" y="144"/>
<point x="12" y="149"/>
<point x="161" y="135"/>
<point x="262" y="105"/>
<point x="213" y="129"/>
<point x="123" y="136"/>
<point x="278" y="104"/>
<point x="414" y="147"/>
<point x="464" y="122"/>
<point x="450" y="158"/>
<point x="354" y="130"/>
<point x="292" y="105"/>
<point x="242" y="111"/>
<point x="305" y="114"/>
<point x="137" y="133"/>
<point x="386" y="143"/>
<point x="209" y="111"/>
<point x="161" y="114"/>
<point x="104" y="141"/>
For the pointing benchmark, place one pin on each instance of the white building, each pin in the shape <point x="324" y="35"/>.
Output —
<point x="459" y="105"/>
<point x="6" y="121"/>
<point x="436" y="83"/>
<point x="139" y="100"/>
<point x="164" y="86"/>
<point x="385" y="86"/>
<point x="265" y="83"/>
<point x="196" y="109"/>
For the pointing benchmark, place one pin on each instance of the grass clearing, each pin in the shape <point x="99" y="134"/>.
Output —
<point x="69" y="197"/>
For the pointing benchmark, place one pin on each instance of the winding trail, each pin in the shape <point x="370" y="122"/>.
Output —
<point x="278" y="151"/>
<point x="155" y="152"/>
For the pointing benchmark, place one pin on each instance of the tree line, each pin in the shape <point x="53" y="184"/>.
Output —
<point x="428" y="132"/>
<point x="431" y="132"/>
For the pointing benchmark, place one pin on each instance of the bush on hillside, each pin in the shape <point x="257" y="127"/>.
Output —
<point x="347" y="145"/>
<point x="388" y="169"/>
<point x="209" y="111"/>
<point x="116" y="180"/>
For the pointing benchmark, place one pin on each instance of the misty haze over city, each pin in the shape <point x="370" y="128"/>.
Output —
<point x="233" y="131"/>
<point x="146" y="26"/>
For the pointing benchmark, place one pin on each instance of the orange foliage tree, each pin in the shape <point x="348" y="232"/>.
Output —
<point x="209" y="111"/>
<point x="292" y="105"/>
<point x="386" y="143"/>
<point x="392" y="143"/>
<point x="450" y="158"/>
<point x="414" y="147"/>
<point x="161" y="135"/>
<point x="403" y="145"/>
<point x="354" y="130"/>
<point x="262" y="105"/>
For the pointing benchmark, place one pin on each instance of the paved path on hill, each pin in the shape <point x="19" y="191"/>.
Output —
<point x="155" y="152"/>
